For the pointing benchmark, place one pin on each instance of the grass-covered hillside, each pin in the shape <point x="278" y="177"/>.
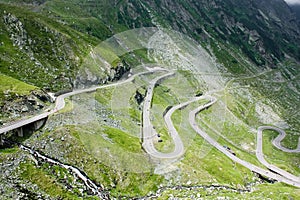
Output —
<point x="244" y="53"/>
<point x="45" y="42"/>
<point x="39" y="50"/>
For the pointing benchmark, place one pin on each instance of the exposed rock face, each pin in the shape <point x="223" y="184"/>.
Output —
<point x="265" y="30"/>
<point x="15" y="106"/>
<point x="296" y="9"/>
<point x="37" y="53"/>
<point x="140" y="95"/>
<point x="17" y="32"/>
<point x="87" y="78"/>
<point x="19" y="36"/>
<point x="275" y="26"/>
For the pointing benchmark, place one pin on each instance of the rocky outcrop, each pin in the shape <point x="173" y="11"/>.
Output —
<point x="17" y="32"/>
<point x="37" y="51"/>
<point x="296" y="9"/>
<point x="266" y="31"/>
<point x="103" y="75"/>
<point x="19" y="35"/>
<point x="15" y="106"/>
<point x="140" y="95"/>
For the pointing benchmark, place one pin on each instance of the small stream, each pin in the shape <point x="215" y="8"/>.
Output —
<point x="96" y="190"/>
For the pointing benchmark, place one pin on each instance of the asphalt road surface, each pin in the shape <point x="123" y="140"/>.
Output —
<point x="277" y="141"/>
<point x="254" y="168"/>
<point x="260" y="155"/>
<point x="60" y="102"/>
<point x="149" y="132"/>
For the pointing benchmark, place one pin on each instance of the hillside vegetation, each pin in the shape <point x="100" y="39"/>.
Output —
<point x="244" y="53"/>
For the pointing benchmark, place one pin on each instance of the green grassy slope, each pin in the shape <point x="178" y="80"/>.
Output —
<point x="45" y="43"/>
<point x="39" y="50"/>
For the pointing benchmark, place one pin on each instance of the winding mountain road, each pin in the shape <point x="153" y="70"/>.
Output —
<point x="277" y="141"/>
<point x="149" y="132"/>
<point x="260" y="154"/>
<point x="282" y="178"/>
<point x="60" y="102"/>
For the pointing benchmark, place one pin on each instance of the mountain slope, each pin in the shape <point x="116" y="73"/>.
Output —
<point x="264" y="35"/>
<point x="244" y="53"/>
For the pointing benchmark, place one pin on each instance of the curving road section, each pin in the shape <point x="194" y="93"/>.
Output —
<point x="277" y="141"/>
<point x="149" y="132"/>
<point x="60" y="102"/>
<point x="210" y="140"/>
<point x="260" y="154"/>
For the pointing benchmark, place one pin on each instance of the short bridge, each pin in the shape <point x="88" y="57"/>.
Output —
<point x="18" y="127"/>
